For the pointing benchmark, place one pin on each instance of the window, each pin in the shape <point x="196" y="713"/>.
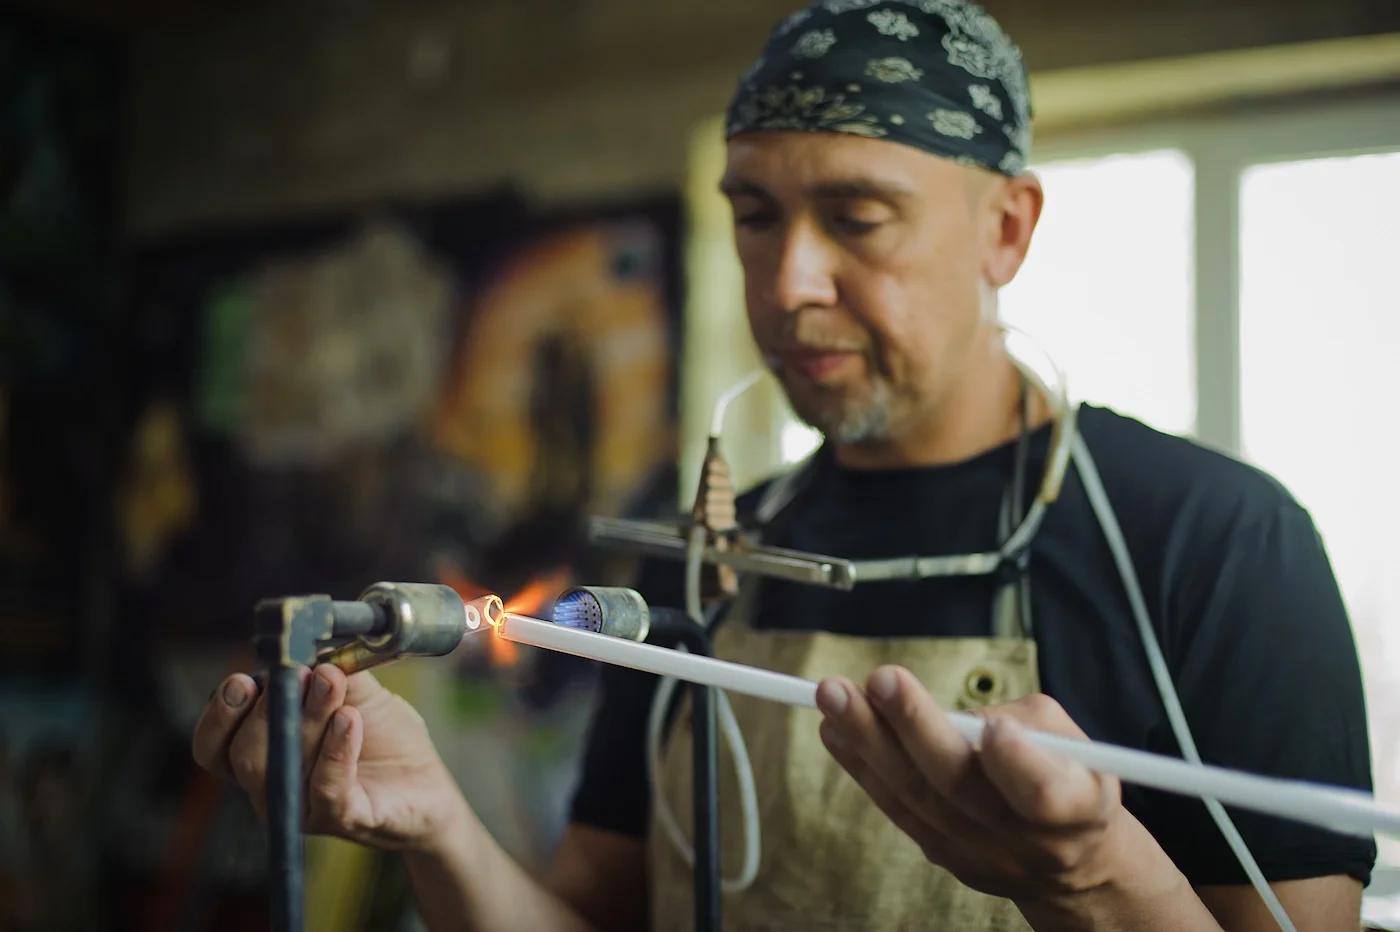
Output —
<point x="1319" y="357"/>
<point x="1110" y="303"/>
<point x="798" y="440"/>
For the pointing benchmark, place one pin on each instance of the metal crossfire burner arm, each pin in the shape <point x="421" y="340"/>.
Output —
<point x="668" y="542"/>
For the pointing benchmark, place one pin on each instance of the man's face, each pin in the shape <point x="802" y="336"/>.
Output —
<point x="866" y="270"/>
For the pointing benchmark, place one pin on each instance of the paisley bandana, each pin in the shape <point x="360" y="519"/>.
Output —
<point x="938" y="75"/>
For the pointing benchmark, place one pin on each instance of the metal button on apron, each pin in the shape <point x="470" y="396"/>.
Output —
<point x="980" y="687"/>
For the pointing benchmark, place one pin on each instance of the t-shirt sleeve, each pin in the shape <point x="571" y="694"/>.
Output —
<point x="612" y="792"/>
<point x="1270" y="681"/>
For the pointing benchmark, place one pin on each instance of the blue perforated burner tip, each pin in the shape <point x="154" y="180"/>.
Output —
<point x="580" y="610"/>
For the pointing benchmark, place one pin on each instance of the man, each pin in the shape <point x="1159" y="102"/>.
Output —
<point x="876" y="156"/>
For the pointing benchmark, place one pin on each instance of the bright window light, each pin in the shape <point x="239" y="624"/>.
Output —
<point x="1108" y="285"/>
<point x="798" y="441"/>
<point x="1320" y="352"/>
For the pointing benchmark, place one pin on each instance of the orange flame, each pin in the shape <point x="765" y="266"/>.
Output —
<point x="503" y="653"/>
<point x="450" y="576"/>
<point x="535" y="595"/>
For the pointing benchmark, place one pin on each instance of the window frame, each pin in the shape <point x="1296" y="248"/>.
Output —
<point x="1221" y="148"/>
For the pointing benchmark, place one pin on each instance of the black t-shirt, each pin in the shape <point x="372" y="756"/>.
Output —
<point x="1236" y="580"/>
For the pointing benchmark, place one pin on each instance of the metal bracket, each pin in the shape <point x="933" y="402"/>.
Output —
<point x="745" y="555"/>
<point x="289" y="632"/>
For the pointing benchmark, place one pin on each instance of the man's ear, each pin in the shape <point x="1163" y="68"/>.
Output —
<point x="1012" y="212"/>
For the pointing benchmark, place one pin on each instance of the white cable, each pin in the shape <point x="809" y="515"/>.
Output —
<point x="734" y="391"/>
<point x="748" y="794"/>
<point x="729" y="728"/>
<point x="1098" y="499"/>
<point x="1161" y="676"/>
<point x="729" y="725"/>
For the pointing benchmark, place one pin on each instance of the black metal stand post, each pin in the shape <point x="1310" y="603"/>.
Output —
<point x="284" y="799"/>
<point x="706" y="780"/>
<point x="288" y="633"/>
<point x="676" y="625"/>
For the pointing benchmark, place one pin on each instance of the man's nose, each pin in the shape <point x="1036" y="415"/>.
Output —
<point x="805" y="273"/>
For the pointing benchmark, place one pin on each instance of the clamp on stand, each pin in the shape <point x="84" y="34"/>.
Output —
<point x="739" y="552"/>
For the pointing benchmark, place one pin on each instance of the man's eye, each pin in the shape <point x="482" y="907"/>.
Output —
<point x="756" y="220"/>
<point x="855" y="227"/>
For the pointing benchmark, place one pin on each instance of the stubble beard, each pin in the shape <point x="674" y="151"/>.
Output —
<point x="869" y="416"/>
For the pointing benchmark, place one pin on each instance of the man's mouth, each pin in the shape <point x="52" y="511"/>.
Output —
<point x="819" y="365"/>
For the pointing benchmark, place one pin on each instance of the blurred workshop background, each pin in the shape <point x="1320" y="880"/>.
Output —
<point x="297" y="296"/>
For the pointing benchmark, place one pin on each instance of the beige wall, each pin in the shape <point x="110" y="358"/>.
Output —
<point x="299" y="105"/>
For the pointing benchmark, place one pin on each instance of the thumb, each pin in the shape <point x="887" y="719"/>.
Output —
<point x="362" y="687"/>
<point x="330" y="788"/>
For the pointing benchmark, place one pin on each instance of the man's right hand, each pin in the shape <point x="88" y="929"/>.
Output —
<point x="372" y="773"/>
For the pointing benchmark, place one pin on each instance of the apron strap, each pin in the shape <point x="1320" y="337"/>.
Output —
<point x="1011" y="606"/>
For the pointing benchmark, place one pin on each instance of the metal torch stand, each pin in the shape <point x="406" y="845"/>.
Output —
<point x="665" y="625"/>
<point x="705" y="779"/>
<point x="284" y="846"/>
<point x="288" y="633"/>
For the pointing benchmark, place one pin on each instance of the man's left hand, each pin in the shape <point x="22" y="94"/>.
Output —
<point x="1005" y="817"/>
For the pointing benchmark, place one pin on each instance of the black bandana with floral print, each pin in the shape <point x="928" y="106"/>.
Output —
<point x="939" y="75"/>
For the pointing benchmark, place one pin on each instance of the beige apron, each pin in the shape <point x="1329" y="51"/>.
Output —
<point x="829" y="859"/>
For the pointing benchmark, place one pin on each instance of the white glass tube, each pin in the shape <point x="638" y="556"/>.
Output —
<point x="1338" y="809"/>
<point x="693" y="668"/>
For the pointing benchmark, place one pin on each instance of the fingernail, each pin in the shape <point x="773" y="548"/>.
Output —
<point x="831" y="736"/>
<point x="341" y="723"/>
<point x="831" y="698"/>
<point x="883" y="684"/>
<point x="234" y="694"/>
<point x="322" y="687"/>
